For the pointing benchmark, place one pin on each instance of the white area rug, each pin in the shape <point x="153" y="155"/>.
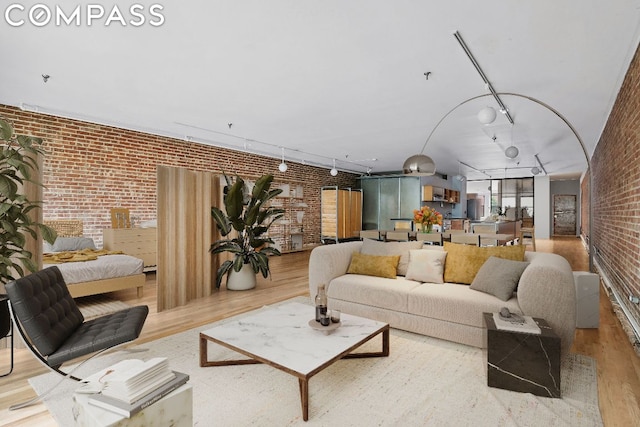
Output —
<point x="424" y="381"/>
<point x="98" y="305"/>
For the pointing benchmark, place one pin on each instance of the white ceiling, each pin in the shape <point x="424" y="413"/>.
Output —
<point x="339" y="79"/>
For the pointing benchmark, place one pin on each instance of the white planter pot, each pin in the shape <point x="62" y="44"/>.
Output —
<point x="241" y="280"/>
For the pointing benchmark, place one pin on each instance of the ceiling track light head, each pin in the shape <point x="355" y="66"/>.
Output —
<point x="333" y="170"/>
<point x="282" y="167"/>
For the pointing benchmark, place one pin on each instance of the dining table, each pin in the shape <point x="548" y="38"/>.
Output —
<point x="502" y="238"/>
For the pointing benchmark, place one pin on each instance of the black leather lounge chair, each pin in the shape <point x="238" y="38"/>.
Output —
<point x="54" y="329"/>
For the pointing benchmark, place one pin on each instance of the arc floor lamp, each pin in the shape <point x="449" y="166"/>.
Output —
<point x="421" y="164"/>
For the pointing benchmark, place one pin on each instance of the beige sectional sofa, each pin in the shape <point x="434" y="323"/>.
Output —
<point x="450" y="311"/>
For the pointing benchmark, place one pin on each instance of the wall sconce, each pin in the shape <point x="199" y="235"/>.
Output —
<point x="282" y="167"/>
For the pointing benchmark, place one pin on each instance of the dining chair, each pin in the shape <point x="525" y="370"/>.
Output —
<point x="397" y="236"/>
<point x="370" y="234"/>
<point x="484" y="229"/>
<point x="53" y="328"/>
<point x="530" y="233"/>
<point x="430" y="238"/>
<point x="488" y="241"/>
<point x="466" y="238"/>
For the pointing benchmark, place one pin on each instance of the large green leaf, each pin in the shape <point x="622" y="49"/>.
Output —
<point x="6" y="130"/>
<point x="261" y="187"/>
<point x="224" y="269"/>
<point x="8" y="188"/>
<point x="221" y="220"/>
<point x="233" y="200"/>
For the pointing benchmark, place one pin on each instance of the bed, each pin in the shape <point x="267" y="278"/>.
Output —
<point x="106" y="273"/>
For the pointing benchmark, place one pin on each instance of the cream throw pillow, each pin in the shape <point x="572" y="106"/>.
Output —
<point x="374" y="247"/>
<point x="426" y="265"/>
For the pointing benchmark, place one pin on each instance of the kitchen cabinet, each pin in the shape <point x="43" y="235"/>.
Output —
<point x="431" y="193"/>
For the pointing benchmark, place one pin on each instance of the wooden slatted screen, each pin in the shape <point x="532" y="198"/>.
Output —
<point x="186" y="270"/>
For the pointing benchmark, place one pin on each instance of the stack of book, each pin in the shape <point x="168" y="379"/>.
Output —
<point x="131" y="385"/>
<point x="524" y="324"/>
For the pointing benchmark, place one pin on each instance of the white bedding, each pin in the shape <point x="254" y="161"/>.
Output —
<point x="105" y="267"/>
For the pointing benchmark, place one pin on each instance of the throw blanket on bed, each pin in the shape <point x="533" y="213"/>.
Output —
<point x="76" y="256"/>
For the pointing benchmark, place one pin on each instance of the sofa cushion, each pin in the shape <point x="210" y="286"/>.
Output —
<point x="457" y="303"/>
<point x="374" y="265"/>
<point x="426" y="265"/>
<point x="374" y="247"/>
<point x="464" y="261"/>
<point x="379" y="292"/>
<point x="499" y="277"/>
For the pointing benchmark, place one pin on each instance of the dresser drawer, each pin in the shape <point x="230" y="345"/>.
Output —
<point x="137" y="242"/>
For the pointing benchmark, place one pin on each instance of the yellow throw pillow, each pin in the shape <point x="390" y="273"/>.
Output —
<point x="464" y="261"/>
<point x="374" y="265"/>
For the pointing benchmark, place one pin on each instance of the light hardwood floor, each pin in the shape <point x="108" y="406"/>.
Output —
<point x="618" y="365"/>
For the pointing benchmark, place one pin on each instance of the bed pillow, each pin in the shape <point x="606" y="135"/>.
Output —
<point x="499" y="277"/>
<point x="374" y="247"/>
<point x="70" y="244"/>
<point x="464" y="261"/>
<point x="426" y="265"/>
<point x="374" y="265"/>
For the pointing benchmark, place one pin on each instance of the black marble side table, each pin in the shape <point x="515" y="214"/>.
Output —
<point x="523" y="362"/>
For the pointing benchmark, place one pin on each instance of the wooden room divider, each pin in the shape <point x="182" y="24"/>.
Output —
<point x="186" y="270"/>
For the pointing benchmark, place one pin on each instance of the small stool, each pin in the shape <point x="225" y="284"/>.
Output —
<point x="530" y="232"/>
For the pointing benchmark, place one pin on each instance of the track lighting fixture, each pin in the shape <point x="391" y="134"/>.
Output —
<point x="334" y="171"/>
<point x="282" y="167"/>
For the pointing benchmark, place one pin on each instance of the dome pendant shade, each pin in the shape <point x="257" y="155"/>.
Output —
<point x="419" y="164"/>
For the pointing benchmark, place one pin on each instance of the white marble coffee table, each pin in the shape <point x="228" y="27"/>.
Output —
<point x="280" y="336"/>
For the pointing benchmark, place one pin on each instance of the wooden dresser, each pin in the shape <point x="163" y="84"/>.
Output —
<point x="137" y="242"/>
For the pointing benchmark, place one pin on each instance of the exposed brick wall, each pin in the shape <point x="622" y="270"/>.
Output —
<point x="584" y="206"/>
<point x="616" y="187"/>
<point x="91" y="168"/>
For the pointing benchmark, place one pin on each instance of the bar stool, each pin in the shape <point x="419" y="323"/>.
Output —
<point x="529" y="232"/>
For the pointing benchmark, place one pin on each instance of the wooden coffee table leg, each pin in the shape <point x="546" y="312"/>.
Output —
<point x="304" y="397"/>
<point x="385" y="342"/>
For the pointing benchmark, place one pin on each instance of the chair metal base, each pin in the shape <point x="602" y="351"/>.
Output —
<point x="6" y="328"/>
<point x="10" y="336"/>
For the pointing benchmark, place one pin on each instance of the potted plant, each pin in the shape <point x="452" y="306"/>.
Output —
<point x="18" y="161"/>
<point x="248" y="216"/>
